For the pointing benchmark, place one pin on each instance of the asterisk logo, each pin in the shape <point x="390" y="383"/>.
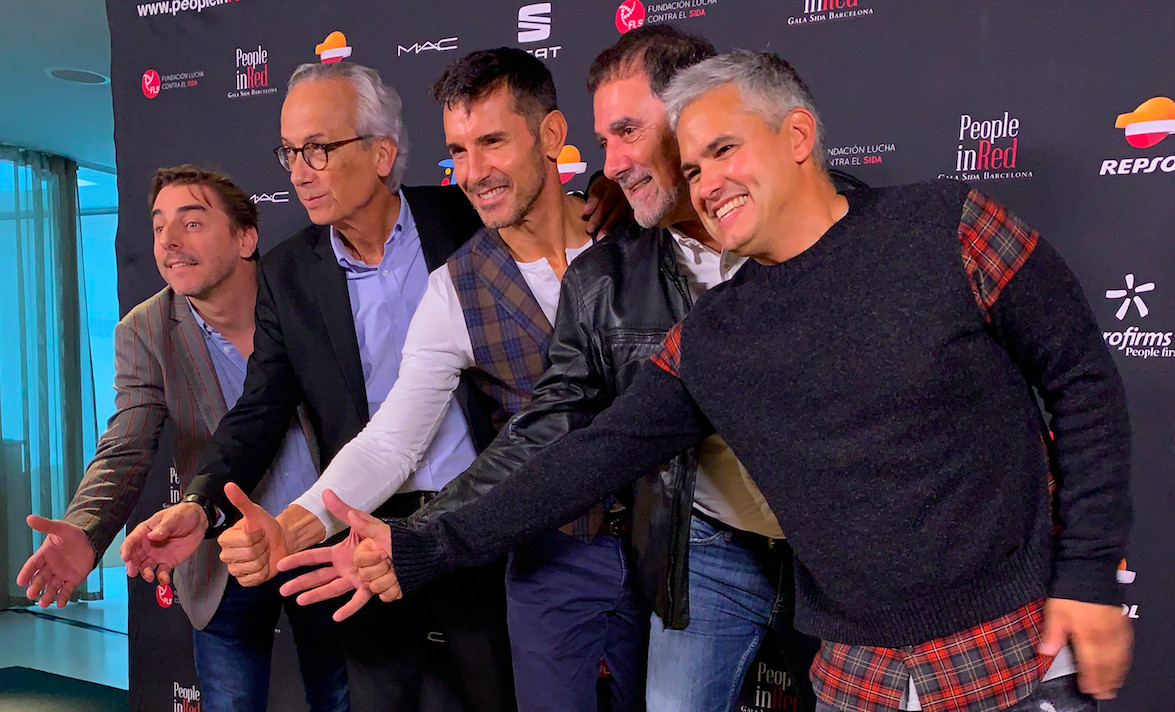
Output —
<point x="1130" y="296"/>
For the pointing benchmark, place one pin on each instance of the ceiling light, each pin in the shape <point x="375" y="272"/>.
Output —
<point x="77" y="76"/>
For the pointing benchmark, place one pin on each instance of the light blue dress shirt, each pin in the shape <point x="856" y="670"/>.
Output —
<point x="292" y="471"/>
<point x="383" y="300"/>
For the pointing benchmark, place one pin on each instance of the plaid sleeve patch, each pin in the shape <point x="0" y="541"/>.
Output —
<point x="990" y="666"/>
<point x="669" y="357"/>
<point x="995" y="245"/>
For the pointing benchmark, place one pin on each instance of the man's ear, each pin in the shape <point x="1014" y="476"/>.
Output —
<point x="553" y="134"/>
<point x="800" y="127"/>
<point x="248" y="243"/>
<point x="386" y="151"/>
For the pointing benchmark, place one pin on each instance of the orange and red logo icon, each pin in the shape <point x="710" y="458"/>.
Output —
<point x="1150" y="123"/>
<point x="570" y="164"/>
<point x="1125" y="575"/>
<point x="334" y="48"/>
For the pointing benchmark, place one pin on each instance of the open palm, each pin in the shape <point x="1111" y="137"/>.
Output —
<point x="62" y="562"/>
<point x="339" y="574"/>
<point x="164" y="541"/>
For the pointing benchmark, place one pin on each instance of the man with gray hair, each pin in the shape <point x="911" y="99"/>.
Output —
<point x="875" y="367"/>
<point x="333" y="307"/>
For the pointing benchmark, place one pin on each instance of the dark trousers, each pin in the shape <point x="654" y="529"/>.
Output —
<point x="454" y="628"/>
<point x="234" y="650"/>
<point x="569" y="604"/>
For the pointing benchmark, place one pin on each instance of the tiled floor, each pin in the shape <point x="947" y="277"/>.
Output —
<point x="86" y="641"/>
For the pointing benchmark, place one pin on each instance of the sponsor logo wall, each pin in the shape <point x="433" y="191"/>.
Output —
<point x="1064" y="115"/>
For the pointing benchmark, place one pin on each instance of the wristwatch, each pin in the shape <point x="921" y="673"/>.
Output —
<point x="210" y="511"/>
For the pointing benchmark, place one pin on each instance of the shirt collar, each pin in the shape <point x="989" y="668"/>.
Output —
<point x="695" y="249"/>
<point x="405" y="225"/>
<point x="204" y="326"/>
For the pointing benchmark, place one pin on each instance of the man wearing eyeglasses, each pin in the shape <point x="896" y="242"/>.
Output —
<point x="333" y="307"/>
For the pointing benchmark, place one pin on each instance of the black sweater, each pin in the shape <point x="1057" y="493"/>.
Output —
<point x="879" y="390"/>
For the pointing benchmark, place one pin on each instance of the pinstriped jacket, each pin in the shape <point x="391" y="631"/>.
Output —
<point x="163" y="374"/>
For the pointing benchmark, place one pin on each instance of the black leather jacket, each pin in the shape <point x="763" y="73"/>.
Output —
<point x="616" y="303"/>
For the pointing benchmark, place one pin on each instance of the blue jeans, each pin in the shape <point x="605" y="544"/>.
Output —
<point x="233" y="651"/>
<point x="738" y="590"/>
<point x="569" y="604"/>
<point x="1057" y="695"/>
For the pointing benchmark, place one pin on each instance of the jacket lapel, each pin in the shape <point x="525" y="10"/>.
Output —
<point x="435" y="242"/>
<point x="327" y="281"/>
<point x="494" y="266"/>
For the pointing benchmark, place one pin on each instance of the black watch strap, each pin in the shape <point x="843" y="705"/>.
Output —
<point x="210" y="512"/>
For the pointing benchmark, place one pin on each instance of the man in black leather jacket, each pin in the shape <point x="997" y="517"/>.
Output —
<point x="617" y="302"/>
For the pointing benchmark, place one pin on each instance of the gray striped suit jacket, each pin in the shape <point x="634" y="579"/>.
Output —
<point x="162" y="373"/>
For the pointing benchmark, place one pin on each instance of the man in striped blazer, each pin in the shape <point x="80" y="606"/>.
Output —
<point x="180" y="359"/>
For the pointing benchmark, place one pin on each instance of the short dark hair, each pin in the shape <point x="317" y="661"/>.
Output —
<point x="241" y="211"/>
<point x="659" y="51"/>
<point x="480" y="73"/>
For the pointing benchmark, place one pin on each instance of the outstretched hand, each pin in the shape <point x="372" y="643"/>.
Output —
<point x="62" y="562"/>
<point x="164" y="541"/>
<point x="337" y="573"/>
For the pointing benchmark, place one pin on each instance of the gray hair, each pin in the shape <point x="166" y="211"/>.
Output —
<point x="378" y="110"/>
<point x="768" y="85"/>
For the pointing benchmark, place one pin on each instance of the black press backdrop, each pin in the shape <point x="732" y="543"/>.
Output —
<point x="1058" y="109"/>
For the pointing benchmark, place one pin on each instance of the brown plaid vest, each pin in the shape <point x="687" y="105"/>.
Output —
<point x="509" y="333"/>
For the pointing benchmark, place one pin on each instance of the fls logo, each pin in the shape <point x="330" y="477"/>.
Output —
<point x="630" y="15"/>
<point x="164" y="596"/>
<point x="151" y="83"/>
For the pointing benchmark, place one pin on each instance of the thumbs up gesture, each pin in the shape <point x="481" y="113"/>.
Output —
<point x="63" y="561"/>
<point x="252" y="546"/>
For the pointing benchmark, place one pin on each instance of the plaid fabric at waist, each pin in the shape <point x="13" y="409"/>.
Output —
<point x="988" y="667"/>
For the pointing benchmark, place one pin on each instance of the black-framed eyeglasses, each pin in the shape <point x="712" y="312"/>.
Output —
<point x="314" y="154"/>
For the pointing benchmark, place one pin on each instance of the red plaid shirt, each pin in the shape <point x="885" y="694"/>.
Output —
<point x="994" y="664"/>
<point x="988" y="667"/>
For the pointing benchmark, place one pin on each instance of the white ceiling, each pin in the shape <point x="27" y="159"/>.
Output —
<point x="40" y="112"/>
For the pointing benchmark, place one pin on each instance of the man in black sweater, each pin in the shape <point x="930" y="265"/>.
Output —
<point x="874" y="369"/>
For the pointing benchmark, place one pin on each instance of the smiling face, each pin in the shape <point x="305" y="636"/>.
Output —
<point x="196" y="248"/>
<point x="640" y="151"/>
<point x="740" y="169"/>
<point x="497" y="160"/>
<point x="323" y="111"/>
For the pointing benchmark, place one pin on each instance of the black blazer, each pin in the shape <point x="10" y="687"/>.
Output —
<point x="305" y="350"/>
